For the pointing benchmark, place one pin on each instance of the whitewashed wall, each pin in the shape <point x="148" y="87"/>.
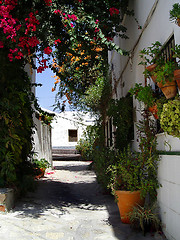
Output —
<point x="153" y="16"/>
<point x="42" y="140"/>
<point x="68" y="121"/>
<point x="42" y="133"/>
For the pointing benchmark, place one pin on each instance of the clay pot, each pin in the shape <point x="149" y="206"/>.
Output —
<point x="151" y="68"/>
<point x="177" y="77"/>
<point x="178" y="22"/>
<point x="169" y="89"/>
<point x="126" y="200"/>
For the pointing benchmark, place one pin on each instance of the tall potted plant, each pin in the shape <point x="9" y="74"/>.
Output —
<point x="126" y="182"/>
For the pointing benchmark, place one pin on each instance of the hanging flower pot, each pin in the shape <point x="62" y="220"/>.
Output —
<point x="126" y="200"/>
<point x="177" y="77"/>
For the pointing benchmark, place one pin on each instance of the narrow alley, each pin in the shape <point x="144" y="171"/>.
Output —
<point x="68" y="204"/>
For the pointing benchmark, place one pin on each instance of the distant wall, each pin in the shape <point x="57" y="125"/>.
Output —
<point x="66" y="121"/>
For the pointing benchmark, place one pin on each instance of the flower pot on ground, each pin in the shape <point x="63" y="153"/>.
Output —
<point x="40" y="167"/>
<point x="126" y="182"/>
<point x="126" y="200"/>
<point x="175" y="14"/>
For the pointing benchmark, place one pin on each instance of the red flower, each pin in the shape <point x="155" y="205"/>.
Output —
<point x="113" y="11"/>
<point x="57" y="41"/>
<point x="47" y="50"/>
<point x="48" y="2"/>
<point x="1" y="44"/>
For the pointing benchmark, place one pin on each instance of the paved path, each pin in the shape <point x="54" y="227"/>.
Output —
<point x="68" y="205"/>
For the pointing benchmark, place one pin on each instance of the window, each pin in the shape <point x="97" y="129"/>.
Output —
<point x="72" y="135"/>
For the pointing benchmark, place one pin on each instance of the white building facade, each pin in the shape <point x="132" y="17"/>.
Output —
<point x="68" y="128"/>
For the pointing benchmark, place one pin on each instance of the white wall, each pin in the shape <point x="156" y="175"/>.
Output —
<point x="153" y="16"/>
<point x="42" y="139"/>
<point x="169" y="193"/>
<point x="68" y="121"/>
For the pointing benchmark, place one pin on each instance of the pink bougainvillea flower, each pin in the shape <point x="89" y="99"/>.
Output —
<point x="73" y="17"/>
<point x="72" y="25"/>
<point x="57" y="11"/>
<point x="96" y="21"/>
<point x="48" y="50"/>
<point x="96" y="30"/>
<point x="113" y="11"/>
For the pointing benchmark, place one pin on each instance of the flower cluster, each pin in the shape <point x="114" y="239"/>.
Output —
<point x="113" y="11"/>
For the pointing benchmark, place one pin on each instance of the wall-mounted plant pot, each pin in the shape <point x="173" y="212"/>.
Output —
<point x="126" y="200"/>
<point x="154" y="111"/>
<point x="177" y="77"/>
<point x="169" y="89"/>
<point x="151" y="68"/>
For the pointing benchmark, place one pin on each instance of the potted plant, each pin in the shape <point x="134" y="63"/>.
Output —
<point x="175" y="14"/>
<point x="176" y="55"/>
<point x="162" y="72"/>
<point x="126" y="182"/>
<point x="170" y="117"/>
<point x="40" y="167"/>
<point x="150" y="58"/>
<point x="145" y="217"/>
<point x="146" y="95"/>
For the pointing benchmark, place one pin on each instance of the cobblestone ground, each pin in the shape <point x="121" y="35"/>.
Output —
<point x="68" y="205"/>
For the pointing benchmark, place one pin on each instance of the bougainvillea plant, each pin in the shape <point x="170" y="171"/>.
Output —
<point x="51" y="29"/>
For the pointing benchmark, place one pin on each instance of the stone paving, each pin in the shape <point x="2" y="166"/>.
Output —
<point x="68" y="204"/>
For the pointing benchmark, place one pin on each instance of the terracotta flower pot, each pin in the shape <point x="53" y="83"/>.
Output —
<point x="154" y="111"/>
<point x="178" y="22"/>
<point x="169" y="89"/>
<point x="126" y="200"/>
<point x="151" y="68"/>
<point x="177" y="77"/>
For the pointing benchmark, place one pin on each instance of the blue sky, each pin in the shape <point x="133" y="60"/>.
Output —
<point x="46" y="98"/>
